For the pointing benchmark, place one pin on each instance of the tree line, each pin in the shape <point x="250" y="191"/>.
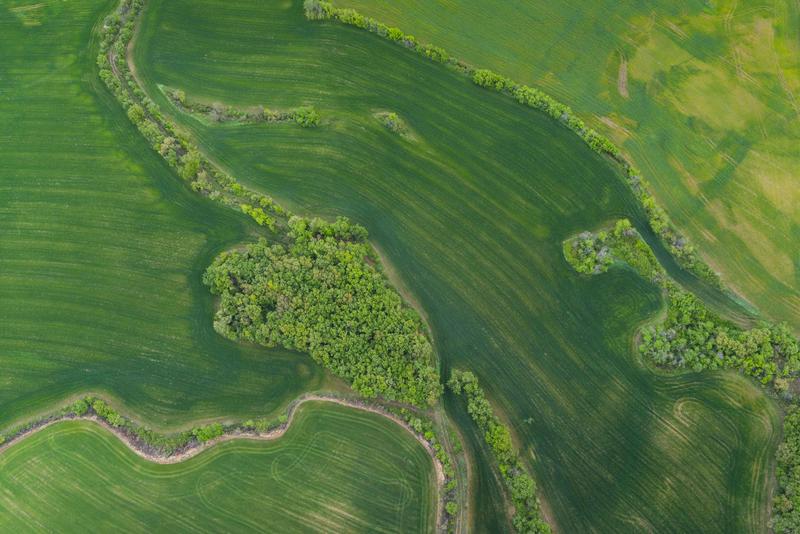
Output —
<point x="305" y="116"/>
<point x="521" y="486"/>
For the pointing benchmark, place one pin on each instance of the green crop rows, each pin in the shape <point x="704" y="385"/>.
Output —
<point x="702" y="95"/>
<point x="336" y="469"/>
<point x="471" y="213"/>
<point x="468" y="197"/>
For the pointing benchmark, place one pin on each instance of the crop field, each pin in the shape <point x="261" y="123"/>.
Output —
<point x="102" y="249"/>
<point x="702" y="95"/>
<point x="470" y="209"/>
<point x="76" y="476"/>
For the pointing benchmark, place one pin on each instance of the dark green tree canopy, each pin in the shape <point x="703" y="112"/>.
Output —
<point x="323" y="295"/>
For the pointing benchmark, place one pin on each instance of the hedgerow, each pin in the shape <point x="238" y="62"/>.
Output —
<point x="691" y="336"/>
<point x="318" y="295"/>
<point x="305" y="116"/>
<point x="520" y="484"/>
<point x="677" y="243"/>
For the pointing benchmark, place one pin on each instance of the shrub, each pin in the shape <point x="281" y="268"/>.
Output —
<point x="306" y="116"/>
<point x="208" y="432"/>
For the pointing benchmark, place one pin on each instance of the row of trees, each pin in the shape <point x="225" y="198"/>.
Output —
<point x="144" y="438"/>
<point x="786" y="504"/>
<point x="322" y="10"/>
<point x="691" y="336"/>
<point x="305" y="116"/>
<point x="678" y="244"/>
<point x="319" y="295"/>
<point x="173" y="145"/>
<point x="521" y="486"/>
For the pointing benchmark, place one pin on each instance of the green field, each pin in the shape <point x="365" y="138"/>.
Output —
<point x="471" y="211"/>
<point x="76" y="476"/>
<point x="702" y="95"/>
<point x="102" y="249"/>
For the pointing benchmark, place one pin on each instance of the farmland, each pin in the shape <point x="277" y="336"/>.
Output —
<point x="702" y="95"/>
<point x="374" y="477"/>
<point x="103" y="251"/>
<point x="470" y="213"/>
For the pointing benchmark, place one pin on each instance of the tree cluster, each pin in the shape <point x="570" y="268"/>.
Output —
<point x="692" y="336"/>
<point x="594" y="253"/>
<point x="321" y="295"/>
<point x="520" y="484"/>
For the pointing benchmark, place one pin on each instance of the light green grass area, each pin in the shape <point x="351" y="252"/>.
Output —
<point x="102" y="249"/>
<point x="704" y="96"/>
<point x="336" y="469"/>
<point x="471" y="217"/>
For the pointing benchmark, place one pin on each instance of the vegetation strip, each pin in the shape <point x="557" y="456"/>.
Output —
<point x="676" y="243"/>
<point x="395" y="360"/>
<point x="304" y="116"/>
<point x="521" y="486"/>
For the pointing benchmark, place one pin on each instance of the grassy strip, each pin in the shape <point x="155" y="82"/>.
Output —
<point x="692" y="336"/>
<point x="527" y="516"/>
<point x="396" y="359"/>
<point x="304" y="116"/>
<point x="677" y="243"/>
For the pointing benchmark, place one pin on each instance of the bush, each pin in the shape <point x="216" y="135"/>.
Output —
<point x="306" y="116"/>
<point x="208" y="432"/>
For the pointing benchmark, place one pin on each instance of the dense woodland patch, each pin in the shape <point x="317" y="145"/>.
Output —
<point x="320" y="295"/>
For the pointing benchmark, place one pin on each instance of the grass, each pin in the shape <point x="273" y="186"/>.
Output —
<point x="710" y="115"/>
<point x="102" y="250"/>
<point x="472" y="216"/>
<point x="336" y="469"/>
